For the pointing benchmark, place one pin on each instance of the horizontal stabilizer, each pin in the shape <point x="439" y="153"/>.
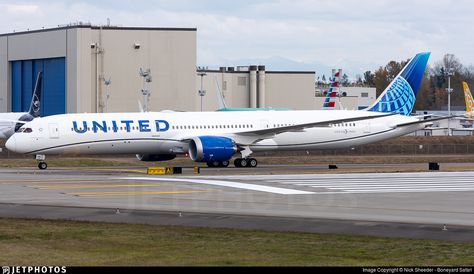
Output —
<point x="423" y="121"/>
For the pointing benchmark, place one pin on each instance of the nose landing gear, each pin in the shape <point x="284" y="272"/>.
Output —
<point x="42" y="164"/>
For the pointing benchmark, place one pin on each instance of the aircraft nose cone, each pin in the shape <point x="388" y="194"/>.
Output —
<point x="11" y="143"/>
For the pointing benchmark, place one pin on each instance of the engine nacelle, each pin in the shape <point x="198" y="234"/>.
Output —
<point x="155" y="157"/>
<point x="211" y="148"/>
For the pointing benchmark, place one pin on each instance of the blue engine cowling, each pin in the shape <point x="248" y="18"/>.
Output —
<point x="155" y="157"/>
<point x="211" y="148"/>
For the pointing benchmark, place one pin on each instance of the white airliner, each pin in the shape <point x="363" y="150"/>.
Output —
<point x="12" y="121"/>
<point x="215" y="137"/>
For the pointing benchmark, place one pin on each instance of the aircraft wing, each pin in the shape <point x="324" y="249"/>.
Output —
<point x="250" y="137"/>
<point x="301" y="127"/>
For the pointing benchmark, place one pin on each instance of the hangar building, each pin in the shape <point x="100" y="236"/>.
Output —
<point x="78" y="59"/>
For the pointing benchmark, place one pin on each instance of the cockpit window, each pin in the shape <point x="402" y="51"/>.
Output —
<point x="21" y="129"/>
<point x="27" y="130"/>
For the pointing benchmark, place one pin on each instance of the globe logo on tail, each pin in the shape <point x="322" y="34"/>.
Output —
<point x="398" y="99"/>
<point x="36" y="103"/>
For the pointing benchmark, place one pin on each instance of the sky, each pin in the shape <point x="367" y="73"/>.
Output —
<point x="294" y="34"/>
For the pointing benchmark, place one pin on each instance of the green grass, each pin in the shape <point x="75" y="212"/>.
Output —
<point x="43" y="242"/>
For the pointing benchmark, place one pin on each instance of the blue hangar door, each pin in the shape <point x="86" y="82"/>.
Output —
<point x="53" y="97"/>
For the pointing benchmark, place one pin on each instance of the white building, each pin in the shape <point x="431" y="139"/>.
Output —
<point x="254" y="87"/>
<point x="351" y="98"/>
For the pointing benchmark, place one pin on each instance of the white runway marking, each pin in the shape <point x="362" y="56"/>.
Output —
<point x="390" y="183"/>
<point x="276" y="190"/>
<point x="340" y="183"/>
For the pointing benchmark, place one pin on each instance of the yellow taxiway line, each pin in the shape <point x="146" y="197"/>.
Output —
<point x="59" y="181"/>
<point x="99" y="194"/>
<point x="117" y="170"/>
<point x="90" y="186"/>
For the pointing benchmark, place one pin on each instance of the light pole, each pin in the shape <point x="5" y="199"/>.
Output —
<point x="146" y="74"/>
<point x="449" y="72"/>
<point x="107" y="96"/>
<point x="201" y="92"/>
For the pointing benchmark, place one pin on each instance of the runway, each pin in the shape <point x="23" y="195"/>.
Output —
<point x="436" y="205"/>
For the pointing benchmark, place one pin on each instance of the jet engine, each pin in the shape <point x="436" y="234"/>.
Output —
<point x="211" y="148"/>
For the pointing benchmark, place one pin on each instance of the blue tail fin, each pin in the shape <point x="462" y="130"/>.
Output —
<point x="400" y="95"/>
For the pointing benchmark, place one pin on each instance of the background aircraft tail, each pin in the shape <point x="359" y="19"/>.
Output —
<point x="399" y="96"/>
<point x="332" y="92"/>
<point x="468" y="99"/>
<point x="220" y="96"/>
<point x="36" y="98"/>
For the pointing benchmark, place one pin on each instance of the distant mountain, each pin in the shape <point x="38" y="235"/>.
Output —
<point x="277" y="63"/>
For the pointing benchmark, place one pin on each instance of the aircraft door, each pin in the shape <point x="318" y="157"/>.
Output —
<point x="264" y="124"/>
<point x="367" y="127"/>
<point x="53" y="131"/>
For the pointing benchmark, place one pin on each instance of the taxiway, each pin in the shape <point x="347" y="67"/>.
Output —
<point x="437" y="205"/>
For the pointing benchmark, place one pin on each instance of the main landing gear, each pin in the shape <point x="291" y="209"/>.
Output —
<point x="218" y="164"/>
<point x="239" y="162"/>
<point x="245" y="162"/>
<point x="42" y="164"/>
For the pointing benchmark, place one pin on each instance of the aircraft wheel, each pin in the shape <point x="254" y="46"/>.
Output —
<point x="252" y="162"/>
<point x="42" y="165"/>
<point x="213" y="164"/>
<point x="224" y="163"/>
<point x="237" y="162"/>
<point x="244" y="162"/>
